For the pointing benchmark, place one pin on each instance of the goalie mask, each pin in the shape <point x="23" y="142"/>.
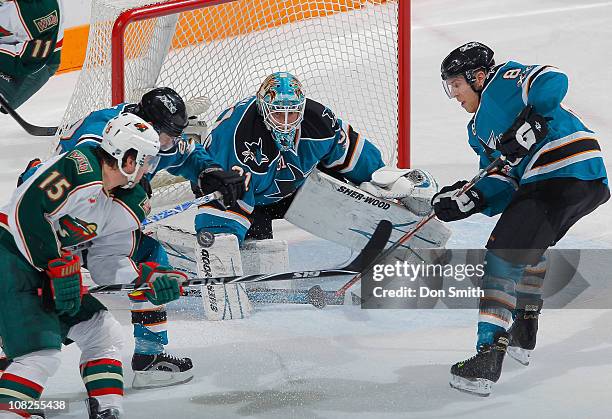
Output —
<point x="281" y="102"/>
<point x="127" y="131"/>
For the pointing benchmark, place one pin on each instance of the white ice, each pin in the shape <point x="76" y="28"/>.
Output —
<point x="299" y="362"/>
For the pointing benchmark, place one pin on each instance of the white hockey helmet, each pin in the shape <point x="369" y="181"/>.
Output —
<point x="127" y="131"/>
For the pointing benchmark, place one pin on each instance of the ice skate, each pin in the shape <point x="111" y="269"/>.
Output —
<point x="477" y="374"/>
<point x="160" y="370"/>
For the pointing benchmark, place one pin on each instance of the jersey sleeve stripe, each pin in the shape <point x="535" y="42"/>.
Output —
<point x="573" y="148"/>
<point x="540" y="70"/>
<point x="231" y="215"/>
<point x="30" y="37"/>
<point x="354" y="157"/>
<point x="129" y="211"/>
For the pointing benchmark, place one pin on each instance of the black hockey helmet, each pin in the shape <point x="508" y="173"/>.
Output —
<point x="164" y="109"/>
<point x="466" y="59"/>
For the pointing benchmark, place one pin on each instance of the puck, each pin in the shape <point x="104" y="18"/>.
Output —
<point x="205" y="238"/>
<point x="316" y="297"/>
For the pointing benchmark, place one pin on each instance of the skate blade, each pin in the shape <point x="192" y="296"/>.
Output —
<point x="519" y="354"/>
<point x="155" y="379"/>
<point x="477" y="386"/>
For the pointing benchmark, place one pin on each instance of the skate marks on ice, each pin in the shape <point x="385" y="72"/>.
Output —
<point x="372" y="375"/>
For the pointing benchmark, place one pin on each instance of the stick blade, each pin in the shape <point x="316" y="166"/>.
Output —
<point x="373" y="248"/>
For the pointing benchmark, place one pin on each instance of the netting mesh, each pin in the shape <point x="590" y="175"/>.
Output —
<point x="343" y="51"/>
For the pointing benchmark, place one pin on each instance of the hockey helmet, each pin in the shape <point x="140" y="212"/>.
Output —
<point x="128" y="131"/>
<point x="164" y="109"/>
<point x="279" y="98"/>
<point x="466" y="60"/>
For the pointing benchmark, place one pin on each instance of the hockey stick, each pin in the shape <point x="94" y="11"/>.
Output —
<point x="35" y="130"/>
<point x="490" y="169"/>
<point x="181" y="208"/>
<point x="371" y="249"/>
<point x="278" y="296"/>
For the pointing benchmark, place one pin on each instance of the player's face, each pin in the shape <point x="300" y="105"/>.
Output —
<point x="166" y="141"/>
<point x="458" y="88"/>
<point x="285" y="118"/>
<point x="131" y="166"/>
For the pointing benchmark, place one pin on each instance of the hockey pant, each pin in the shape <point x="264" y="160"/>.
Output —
<point x="538" y="216"/>
<point x="262" y="216"/>
<point x="16" y="90"/>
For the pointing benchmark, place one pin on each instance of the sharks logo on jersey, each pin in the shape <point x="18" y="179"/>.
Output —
<point x="254" y="153"/>
<point x="258" y="155"/>
<point x="288" y="178"/>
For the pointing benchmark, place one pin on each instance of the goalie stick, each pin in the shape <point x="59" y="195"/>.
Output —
<point x="35" y="130"/>
<point x="374" y="246"/>
<point x="319" y="300"/>
<point x="280" y="296"/>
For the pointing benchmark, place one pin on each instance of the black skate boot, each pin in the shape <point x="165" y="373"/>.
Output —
<point x="96" y="413"/>
<point x="160" y="370"/>
<point x="478" y="374"/>
<point x="523" y="335"/>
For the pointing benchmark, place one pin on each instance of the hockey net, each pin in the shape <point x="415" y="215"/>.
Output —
<point x="347" y="53"/>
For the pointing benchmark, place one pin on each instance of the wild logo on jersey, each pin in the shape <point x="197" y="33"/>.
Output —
<point x="73" y="231"/>
<point x="5" y="32"/>
<point x="81" y="161"/>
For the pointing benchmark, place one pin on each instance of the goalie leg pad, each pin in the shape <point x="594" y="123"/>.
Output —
<point x="225" y="302"/>
<point x="222" y="259"/>
<point x="347" y="215"/>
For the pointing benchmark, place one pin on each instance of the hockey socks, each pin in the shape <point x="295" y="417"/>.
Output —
<point x="24" y="379"/>
<point x="499" y="300"/>
<point x="150" y="333"/>
<point x="103" y="380"/>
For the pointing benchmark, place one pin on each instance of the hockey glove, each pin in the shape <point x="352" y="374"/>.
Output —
<point x="449" y="207"/>
<point x="164" y="282"/>
<point x="231" y="184"/>
<point x="527" y="129"/>
<point x="65" y="284"/>
<point x="414" y="188"/>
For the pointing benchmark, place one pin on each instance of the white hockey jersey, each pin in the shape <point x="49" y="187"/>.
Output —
<point x="63" y="206"/>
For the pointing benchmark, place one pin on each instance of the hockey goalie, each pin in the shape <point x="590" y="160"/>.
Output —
<point x="276" y="140"/>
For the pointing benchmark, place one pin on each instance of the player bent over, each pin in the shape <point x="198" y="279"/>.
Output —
<point x="555" y="175"/>
<point x="71" y="202"/>
<point x="277" y="137"/>
<point x="166" y="111"/>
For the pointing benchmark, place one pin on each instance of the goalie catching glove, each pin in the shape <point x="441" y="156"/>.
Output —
<point x="230" y="183"/>
<point x="65" y="285"/>
<point x="450" y="207"/>
<point x="164" y="283"/>
<point x="414" y="188"/>
<point x="527" y="129"/>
